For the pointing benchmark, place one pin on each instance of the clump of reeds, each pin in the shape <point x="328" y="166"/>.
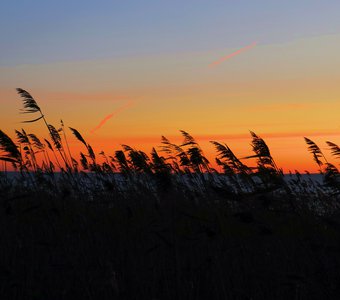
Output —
<point x="164" y="225"/>
<point x="49" y="164"/>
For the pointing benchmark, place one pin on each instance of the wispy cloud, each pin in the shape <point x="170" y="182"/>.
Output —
<point x="224" y="58"/>
<point x="114" y="113"/>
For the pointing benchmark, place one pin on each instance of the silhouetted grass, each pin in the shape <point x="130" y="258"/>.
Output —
<point x="129" y="225"/>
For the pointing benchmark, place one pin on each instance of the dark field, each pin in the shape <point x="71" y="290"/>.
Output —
<point x="172" y="244"/>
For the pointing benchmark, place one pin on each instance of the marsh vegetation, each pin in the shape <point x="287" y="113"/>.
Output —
<point x="164" y="225"/>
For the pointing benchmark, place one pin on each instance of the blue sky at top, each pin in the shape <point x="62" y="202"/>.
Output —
<point x="37" y="31"/>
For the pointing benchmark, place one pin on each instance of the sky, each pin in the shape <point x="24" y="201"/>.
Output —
<point x="127" y="72"/>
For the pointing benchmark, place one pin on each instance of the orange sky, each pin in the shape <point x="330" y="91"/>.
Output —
<point x="280" y="91"/>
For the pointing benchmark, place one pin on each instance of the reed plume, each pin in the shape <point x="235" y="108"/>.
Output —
<point x="78" y="136"/>
<point x="316" y="152"/>
<point x="12" y="154"/>
<point x="262" y="153"/>
<point x="335" y="149"/>
<point x="23" y="138"/>
<point x="227" y="157"/>
<point x="197" y="160"/>
<point x="31" y="106"/>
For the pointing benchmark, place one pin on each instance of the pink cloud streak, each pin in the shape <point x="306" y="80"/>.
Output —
<point x="114" y="113"/>
<point x="224" y="58"/>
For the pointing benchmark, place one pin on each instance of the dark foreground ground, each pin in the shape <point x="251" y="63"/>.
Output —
<point x="168" y="248"/>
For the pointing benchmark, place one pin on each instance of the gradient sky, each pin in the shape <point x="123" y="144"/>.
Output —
<point x="84" y="60"/>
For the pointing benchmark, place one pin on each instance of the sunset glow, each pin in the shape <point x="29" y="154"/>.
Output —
<point x="85" y="69"/>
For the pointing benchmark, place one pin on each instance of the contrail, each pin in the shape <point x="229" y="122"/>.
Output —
<point x="221" y="60"/>
<point x="108" y="117"/>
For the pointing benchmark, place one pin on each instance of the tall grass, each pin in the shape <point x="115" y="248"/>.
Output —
<point x="47" y="164"/>
<point x="164" y="225"/>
